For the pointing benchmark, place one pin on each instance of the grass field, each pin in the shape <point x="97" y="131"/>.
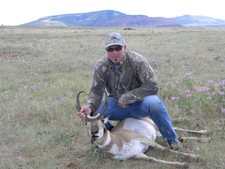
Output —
<point x="42" y="69"/>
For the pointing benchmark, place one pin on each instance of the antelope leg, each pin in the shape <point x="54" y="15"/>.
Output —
<point x="158" y="146"/>
<point x="145" y="157"/>
<point x="193" y="131"/>
<point x="201" y="139"/>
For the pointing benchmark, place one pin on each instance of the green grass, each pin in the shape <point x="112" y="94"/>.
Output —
<point x="42" y="69"/>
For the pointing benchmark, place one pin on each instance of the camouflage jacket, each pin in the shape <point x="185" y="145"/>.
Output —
<point x="131" y="80"/>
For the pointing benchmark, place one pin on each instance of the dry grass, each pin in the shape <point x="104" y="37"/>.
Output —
<point x="43" y="68"/>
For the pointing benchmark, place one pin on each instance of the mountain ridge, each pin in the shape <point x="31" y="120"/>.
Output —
<point x="112" y="18"/>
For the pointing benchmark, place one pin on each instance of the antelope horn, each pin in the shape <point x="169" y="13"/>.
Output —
<point x="79" y="107"/>
<point x="99" y="115"/>
<point x="78" y="100"/>
<point x="105" y="105"/>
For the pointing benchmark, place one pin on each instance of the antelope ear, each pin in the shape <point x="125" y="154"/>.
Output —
<point x="106" y="119"/>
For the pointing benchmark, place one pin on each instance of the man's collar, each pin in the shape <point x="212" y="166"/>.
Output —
<point x="121" y="62"/>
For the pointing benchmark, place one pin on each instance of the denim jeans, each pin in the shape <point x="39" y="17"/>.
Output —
<point x="151" y="106"/>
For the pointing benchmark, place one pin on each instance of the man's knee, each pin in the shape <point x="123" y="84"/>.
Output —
<point x="154" y="103"/>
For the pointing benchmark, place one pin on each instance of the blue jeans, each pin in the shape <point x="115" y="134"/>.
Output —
<point x="151" y="106"/>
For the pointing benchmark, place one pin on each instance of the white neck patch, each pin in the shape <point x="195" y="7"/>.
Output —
<point x="107" y="142"/>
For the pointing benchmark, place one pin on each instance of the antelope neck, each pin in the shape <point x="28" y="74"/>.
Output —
<point x="105" y="140"/>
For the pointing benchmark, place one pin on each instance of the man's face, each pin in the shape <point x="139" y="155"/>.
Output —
<point x="116" y="53"/>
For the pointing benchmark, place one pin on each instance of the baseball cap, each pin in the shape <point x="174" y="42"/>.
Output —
<point x="114" y="38"/>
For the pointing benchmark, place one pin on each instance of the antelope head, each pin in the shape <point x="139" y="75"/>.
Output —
<point x="95" y="123"/>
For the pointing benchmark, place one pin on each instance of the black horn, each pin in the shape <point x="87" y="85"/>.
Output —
<point x="103" y="109"/>
<point x="105" y="105"/>
<point x="79" y="107"/>
<point x="78" y="100"/>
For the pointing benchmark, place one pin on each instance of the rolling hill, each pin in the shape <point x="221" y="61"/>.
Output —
<point x="111" y="18"/>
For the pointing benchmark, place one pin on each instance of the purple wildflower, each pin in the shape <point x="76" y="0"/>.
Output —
<point x="188" y="75"/>
<point x="210" y="82"/>
<point x="187" y="93"/>
<point x="202" y="89"/>
<point x="223" y="110"/>
<point x="222" y="83"/>
<point x="174" y="98"/>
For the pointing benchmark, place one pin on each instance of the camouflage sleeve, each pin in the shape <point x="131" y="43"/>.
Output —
<point x="97" y="87"/>
<point x="147" y="82"/>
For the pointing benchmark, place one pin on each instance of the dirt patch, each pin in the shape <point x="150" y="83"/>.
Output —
<point x="14" y="54"/>
<point x="209" y="56"/>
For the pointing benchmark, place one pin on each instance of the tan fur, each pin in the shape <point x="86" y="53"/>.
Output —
<point x="130" y="138"/>
<point x="120" y="139"/>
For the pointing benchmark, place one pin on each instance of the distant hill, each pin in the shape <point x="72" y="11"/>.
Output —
<point x="203" y="21"/>
<point x="111" y="18"/>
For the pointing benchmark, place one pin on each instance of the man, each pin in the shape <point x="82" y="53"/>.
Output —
<point x="132" y="87"/>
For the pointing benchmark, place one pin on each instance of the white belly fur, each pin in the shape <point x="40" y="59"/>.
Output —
<point x="138" y="125"/>
<point x="135" y="147"/>
<point x="129" y="150"/>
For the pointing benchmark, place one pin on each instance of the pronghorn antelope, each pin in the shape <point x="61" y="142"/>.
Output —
<point x="130" y="138"/>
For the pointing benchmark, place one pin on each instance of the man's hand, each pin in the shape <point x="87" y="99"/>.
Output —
<point x="84" y="111"/>
<point x="121" y="103"/>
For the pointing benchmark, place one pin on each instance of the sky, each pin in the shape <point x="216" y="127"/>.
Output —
<point x="16" y="12"/>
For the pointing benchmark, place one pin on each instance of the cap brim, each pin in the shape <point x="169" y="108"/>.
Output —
<point x="106" y="46"/>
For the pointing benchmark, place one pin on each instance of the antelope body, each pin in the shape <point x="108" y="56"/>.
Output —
<point x="126" y="140"/>
<point x="130" y="138"/>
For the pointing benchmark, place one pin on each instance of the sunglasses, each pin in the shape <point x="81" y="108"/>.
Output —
<point x="118" y="48"/>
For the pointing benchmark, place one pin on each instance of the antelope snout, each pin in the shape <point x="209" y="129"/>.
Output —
<point x="94" y="132"/>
